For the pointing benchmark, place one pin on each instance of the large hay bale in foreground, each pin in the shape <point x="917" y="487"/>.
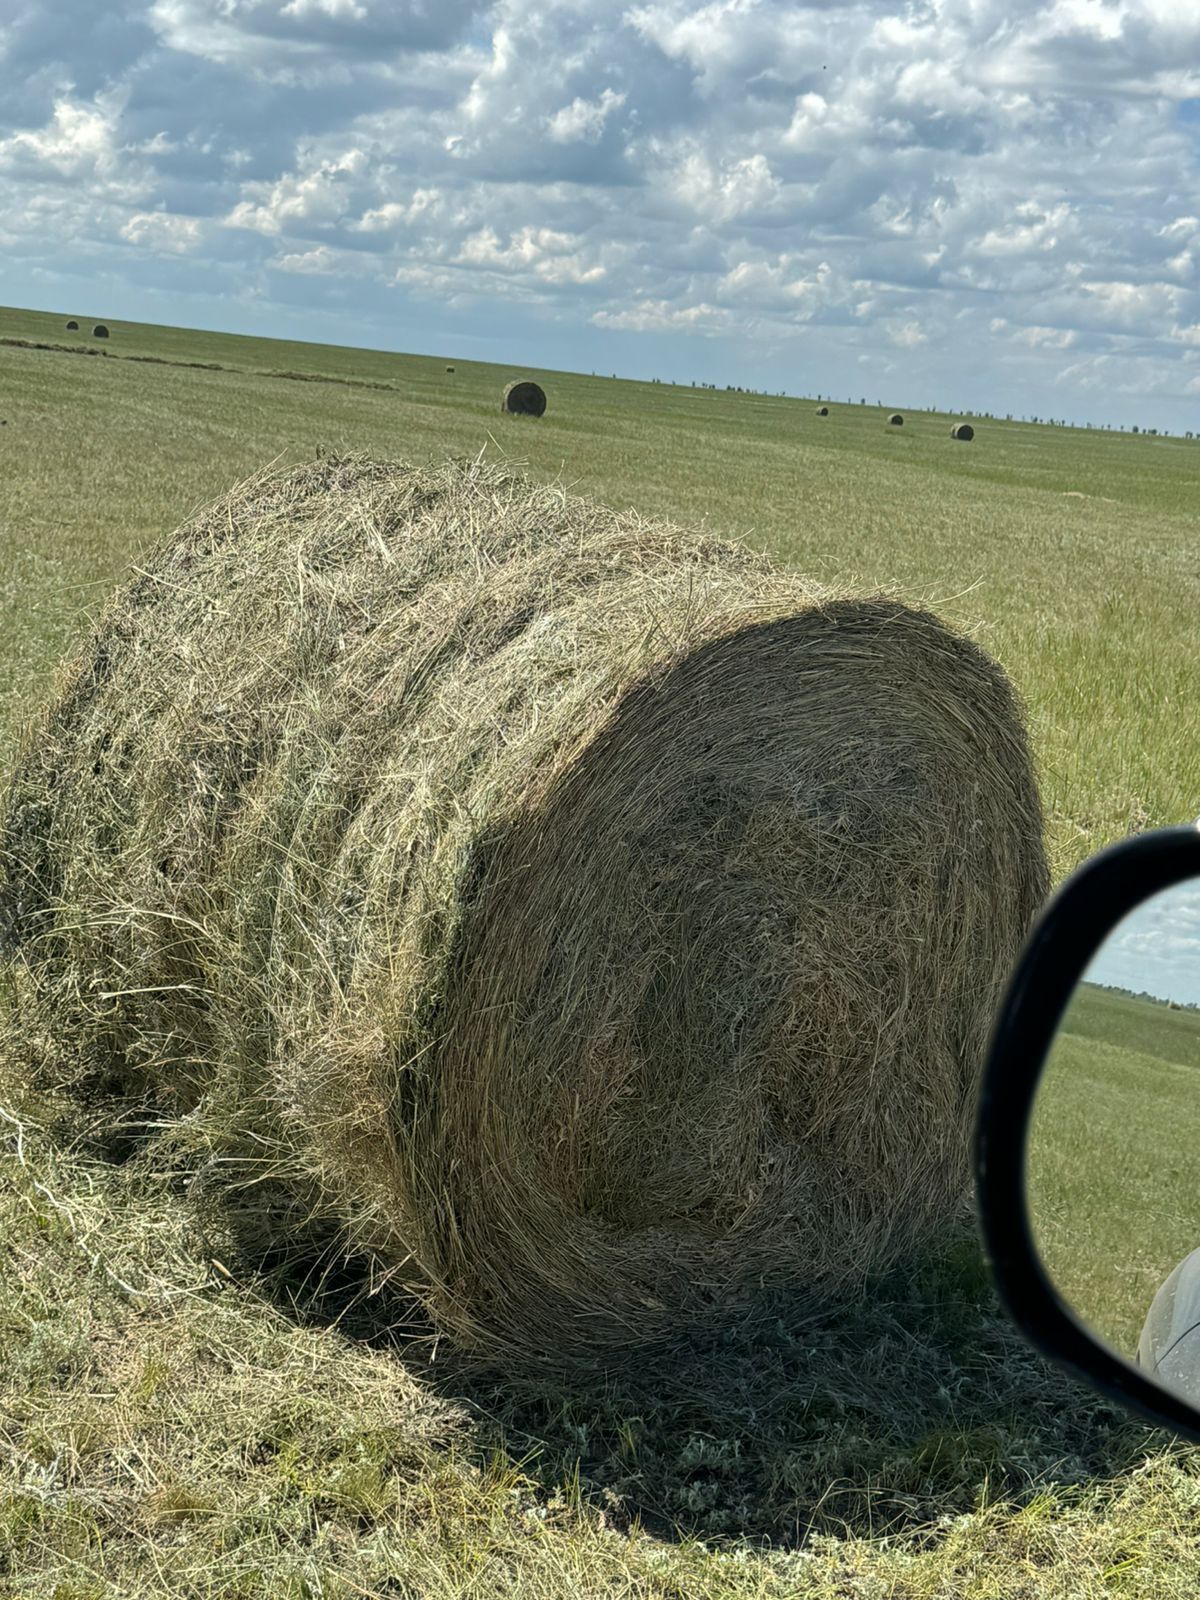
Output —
<point x="593" y="918"/>
<point x="524" y="399"/>
<point x="963" y="431"/>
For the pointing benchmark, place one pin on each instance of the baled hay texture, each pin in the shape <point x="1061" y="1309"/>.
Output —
<point x="963" y="431"/>
<point x="822" y="411"/>
<point x="896" y="420"/>
<point x="99" y="331"/>
<point x="524" y="400"/>
<point x="73" y="326"/>
<point x="593" y="918"/>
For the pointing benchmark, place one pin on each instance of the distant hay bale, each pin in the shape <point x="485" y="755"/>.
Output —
<point x="962" y="430"/>
<point x="72" y="327"/>
<point x="99" y="331"/>
<point x="449" y="369"/>
<point x="822" y="411"/>
<point x="524" y="399"/>
<point x="592" y="919"/>
<point x="896" y="420"/>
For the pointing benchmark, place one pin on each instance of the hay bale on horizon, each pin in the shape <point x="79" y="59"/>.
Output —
<point x="591" y="918"/>
<point x="963" y="431"/>
<point x="72" y="327"/>
<point x="524" y="399"/>
<point x="99" y="331"/>
<point x="896" y="420"/>
<point x="822" y="411"/>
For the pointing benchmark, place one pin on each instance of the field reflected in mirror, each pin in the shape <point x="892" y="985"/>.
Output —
<point x="1112" y="1162"/>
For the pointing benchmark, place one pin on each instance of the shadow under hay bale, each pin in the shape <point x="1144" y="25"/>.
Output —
<point x="963" y="431"/>
<point x="99" y="331"/>
<point x="524" y="399"/>
<point x="72" y="327"/>
<point x="895" y="420"/>
<point x="593" y="920"/>
<point x="822" y="411"/>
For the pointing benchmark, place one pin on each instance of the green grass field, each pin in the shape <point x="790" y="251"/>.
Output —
<point x="1112" y="1156"/>
<point x="170" y="1424"/>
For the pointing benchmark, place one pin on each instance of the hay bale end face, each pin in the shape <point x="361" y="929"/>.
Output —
<point x="524" y="399"/>
<point x="73" y="327"/>
<point x="592" y="919"/>
<point x="822" y="411"/>
<point x="99" y="331"/>
<point x="963" y="431"/>
<point x="896" y="420"/>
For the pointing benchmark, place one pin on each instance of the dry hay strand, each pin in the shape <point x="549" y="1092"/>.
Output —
<point x="963" y="431"/>
<point x="524" y="399"/>
<point x="99" y="331"/>
<point x="822" y="411"/>
<point x="896" y="420"/>
<point x="72" y="327"/>
<point x="593" y="919"/>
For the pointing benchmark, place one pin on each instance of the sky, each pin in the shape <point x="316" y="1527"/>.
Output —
<point x="987" y="205"/>
<point x="1156" y="948"/>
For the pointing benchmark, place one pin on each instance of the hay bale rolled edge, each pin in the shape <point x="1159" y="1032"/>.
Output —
<point x="524" y="399"/>
<point x="599" y="977"/>
<point x="72" y="327"/>
<point x="895" y="420"/>
<point x="822" y="411"/>
<point x="99" y="331"/>
<point x="963" y="431"/>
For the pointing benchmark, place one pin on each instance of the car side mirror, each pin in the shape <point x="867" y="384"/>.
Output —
<point x="1087" y="1159"/>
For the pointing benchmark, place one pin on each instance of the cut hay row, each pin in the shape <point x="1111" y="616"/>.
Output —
<point x="591" y="918"/>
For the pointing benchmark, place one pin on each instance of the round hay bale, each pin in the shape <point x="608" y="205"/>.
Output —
<point x="591" y="918"/>
<point x="896" y="420"/>
<point x="524" y="399"/>
<point x="822" y="411"/>
<point x="963" y="431"/>
<point x="449" y="369"/>
<point x="73" y="327"/>
<point x="99" y="331"/>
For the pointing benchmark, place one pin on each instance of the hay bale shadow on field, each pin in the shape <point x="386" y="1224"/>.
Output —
<point x="884" y="1416"/>
<point x="880" y="1415"/>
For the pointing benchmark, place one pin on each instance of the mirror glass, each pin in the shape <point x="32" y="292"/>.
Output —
<point x="1113" y="1162"/>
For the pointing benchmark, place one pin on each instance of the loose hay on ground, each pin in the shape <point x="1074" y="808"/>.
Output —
<point x="592" y="918"/>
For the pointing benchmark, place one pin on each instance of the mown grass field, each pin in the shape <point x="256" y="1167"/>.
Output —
<point x="1112" y="1156"/>
<point x="171" y="1424"/>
